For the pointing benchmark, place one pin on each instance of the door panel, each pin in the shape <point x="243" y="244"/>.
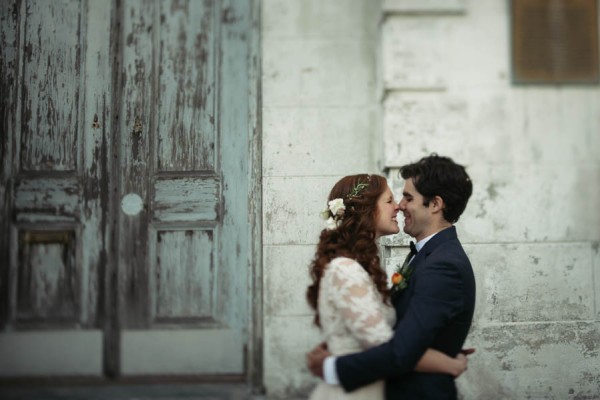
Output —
<point x="52" y="71"/>
<point x="54" y="207"/>
<point x="184" y="275"/>
<point x="183" y="291"/>
<point x="187" y="85"/>
<point x="48" y="286"/>
<point x="186" y="199"/>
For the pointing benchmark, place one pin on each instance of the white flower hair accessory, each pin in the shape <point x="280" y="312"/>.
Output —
<point x="337" y="207"/>
<point x="334" y="213"/>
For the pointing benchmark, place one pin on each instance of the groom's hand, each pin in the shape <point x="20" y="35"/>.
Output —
<point x="315" y="359"/>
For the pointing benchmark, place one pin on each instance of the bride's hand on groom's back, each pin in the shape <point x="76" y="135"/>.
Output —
<point x="463" y="361"/>
<point x="315" y="359"/>
<point x="461" y="365"/>
<point x="468" y="351"/>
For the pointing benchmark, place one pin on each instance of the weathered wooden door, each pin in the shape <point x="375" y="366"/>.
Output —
<point x="127" y="187"/>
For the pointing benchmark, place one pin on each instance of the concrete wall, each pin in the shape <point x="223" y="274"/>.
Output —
<point x="532" y="228"/>
<point x="319" y="123"/>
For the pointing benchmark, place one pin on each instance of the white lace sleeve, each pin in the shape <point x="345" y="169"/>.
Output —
<point x="354" y="294"/>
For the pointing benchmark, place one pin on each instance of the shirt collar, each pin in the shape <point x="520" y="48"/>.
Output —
<point x="419" y="245"/>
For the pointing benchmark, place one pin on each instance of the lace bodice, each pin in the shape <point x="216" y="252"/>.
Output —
<point x="353" y="315"/>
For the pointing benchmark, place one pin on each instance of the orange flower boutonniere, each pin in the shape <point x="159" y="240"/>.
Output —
<point x="397" y="278"/>
<point x="400" y="277"/>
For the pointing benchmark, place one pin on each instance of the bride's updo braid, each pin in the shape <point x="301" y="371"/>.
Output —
<point x="354" y="236"/>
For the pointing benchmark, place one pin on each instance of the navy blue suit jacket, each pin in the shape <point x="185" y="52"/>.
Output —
<point x="435" y="310"/>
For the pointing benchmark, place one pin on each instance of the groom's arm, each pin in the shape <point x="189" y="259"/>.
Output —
<point x="437" y="297"/>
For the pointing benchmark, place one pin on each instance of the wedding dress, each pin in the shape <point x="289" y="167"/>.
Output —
<point x="353" y="318"/>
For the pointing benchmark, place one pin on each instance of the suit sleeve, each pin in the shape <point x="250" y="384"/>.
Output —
<point x="437" y="297"/>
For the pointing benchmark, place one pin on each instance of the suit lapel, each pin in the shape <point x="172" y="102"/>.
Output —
<point x="401" y="300"/>
<point x="433" y="243"/>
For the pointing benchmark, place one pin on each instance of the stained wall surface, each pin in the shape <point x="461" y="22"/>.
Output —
<point x="319" y="120"/>
<point x="357" y="86"/>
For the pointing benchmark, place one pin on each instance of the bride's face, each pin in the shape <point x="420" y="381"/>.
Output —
<point x="386" y="222"/>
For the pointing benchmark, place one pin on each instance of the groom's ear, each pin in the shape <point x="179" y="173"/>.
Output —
<point x="437" y="204"/>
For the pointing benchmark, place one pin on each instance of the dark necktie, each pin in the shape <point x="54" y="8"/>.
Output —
<point x="413" y="252"/>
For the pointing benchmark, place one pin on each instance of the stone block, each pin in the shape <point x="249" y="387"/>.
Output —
<point x="534" y="127"/>
<point x="308" y="72"/>
<point x="292" y="206"/>
<point x="551" y="127"/>
<point x="533" y="282"/>
<point x="339" y="19"/>
<point x="524" y="202"/>
<point x="490" y="131"/>
<point x="416" y="125"/>
<point x="287" y="339"/>
<point x="554" y="361"/>
<point x="423" y="6"/>
<point x="472" y="63"/>
<point x="286" y="272"/>
<point x="317" y="141"/>
<point x="396" y="245"/>
<point x="413" y="53"/>
<point x="493" y="127"/>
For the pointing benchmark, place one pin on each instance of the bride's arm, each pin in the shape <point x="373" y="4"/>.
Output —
<point x="438" y="362"/>
<point x="356" y="299"/>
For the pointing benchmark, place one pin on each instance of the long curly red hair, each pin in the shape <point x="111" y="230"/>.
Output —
<point x="354" y="237"/>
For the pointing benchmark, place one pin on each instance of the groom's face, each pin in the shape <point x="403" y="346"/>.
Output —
<point x="417" y="217"/>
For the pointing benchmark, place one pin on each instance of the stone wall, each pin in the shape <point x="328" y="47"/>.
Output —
<point x="532" y="227"/>
<point x="319" y="123"/>
<point x="357" y="86"/>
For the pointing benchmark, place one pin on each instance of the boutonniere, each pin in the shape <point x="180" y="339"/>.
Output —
<point x="400" y="277"/>
<point x="403" y="272"/>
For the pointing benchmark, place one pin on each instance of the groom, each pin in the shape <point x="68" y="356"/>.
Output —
<point x="435" y="310"/>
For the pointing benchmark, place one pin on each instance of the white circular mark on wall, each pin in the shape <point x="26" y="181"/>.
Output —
<point x="132" y="204"/>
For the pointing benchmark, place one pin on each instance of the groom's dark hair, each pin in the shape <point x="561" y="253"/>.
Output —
<point x="440" y="176"/>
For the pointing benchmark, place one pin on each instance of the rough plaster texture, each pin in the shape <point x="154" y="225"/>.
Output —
<point x="320" y="121"/>
<point x="532" y="227"/>
<point x="533" y="282"/>
<point x="443" y="83"/>
<point x="288" y="340"/>
<point x="554" y="360"/>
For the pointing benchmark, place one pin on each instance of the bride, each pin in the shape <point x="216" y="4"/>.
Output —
<point x="349" y="292"/>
